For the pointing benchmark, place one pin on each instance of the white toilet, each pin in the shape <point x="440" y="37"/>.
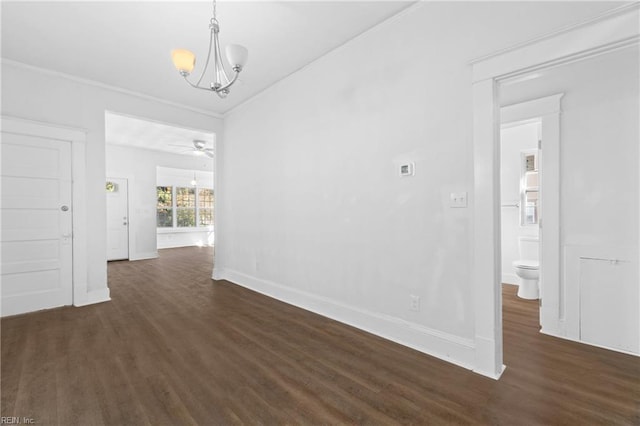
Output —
<point x="527" y="268"/>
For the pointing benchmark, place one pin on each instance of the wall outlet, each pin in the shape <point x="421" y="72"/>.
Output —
<point x="415" y="303"/>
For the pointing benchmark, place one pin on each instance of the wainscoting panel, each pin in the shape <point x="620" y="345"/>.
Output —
<point x="603" y="297"/>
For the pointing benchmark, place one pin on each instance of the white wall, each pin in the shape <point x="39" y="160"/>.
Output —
<point x="513" y="140"/>
<point x="41" y="96"/>
<point x="599" y="146"/>
<point x="184" y="237"/>
<point x="311" y="207"/>
<point x="139" y="167"/>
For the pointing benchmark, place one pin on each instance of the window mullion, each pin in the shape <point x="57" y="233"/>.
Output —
<point x="197" y="207"/>
<point x="174" y="205"/>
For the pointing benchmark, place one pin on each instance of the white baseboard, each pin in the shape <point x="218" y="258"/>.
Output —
<point x="553" y="334"/>
<point x="95" y="296"/>
<point x="510" y="279"/>
<point x="143" y="256"/>
<point x="486" y="362"/>
<point x="448" y="347"/>
<point x="218" y="273"/>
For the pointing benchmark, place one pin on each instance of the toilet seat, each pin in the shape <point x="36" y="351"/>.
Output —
<point x="526" y="264"/>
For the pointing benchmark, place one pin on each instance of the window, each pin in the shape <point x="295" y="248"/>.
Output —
<point x="205" y="207"/>
<point x="164" y="209"/>
<point x="193" y="207"/>
<point x="529" y="188"/>
<point x="186" y="207"/>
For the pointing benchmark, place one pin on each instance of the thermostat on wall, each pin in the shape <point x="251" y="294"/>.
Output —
<point x="407" y="169"/>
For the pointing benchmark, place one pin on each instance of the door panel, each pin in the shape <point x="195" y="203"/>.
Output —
<point x="608" y="303"/>
<point x="35" y="231"/>
<point x="117" y="220"/>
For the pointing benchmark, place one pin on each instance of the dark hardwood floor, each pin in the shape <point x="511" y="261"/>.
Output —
<point x="174" y="347"/>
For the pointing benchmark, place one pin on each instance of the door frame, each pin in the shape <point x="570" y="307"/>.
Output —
<point x="218" y="173"/>
<point x="77" y="137"/>
<point x="612" y="30"/>
<point x="547" y="111"/>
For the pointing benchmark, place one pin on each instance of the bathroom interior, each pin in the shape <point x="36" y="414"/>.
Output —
<point x="520" y="212"/>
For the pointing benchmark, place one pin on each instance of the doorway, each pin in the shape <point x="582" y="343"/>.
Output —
<point x="530" y="202"/>
<point x="520" y="207"/>
<point x="588" y="40"/>
<point x="595" y="300"/>
<point x="135" y="149"/>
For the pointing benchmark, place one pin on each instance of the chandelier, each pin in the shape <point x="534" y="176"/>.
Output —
<point x="184" y="60"/>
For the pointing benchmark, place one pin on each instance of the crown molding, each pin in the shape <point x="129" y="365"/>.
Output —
<point x="109" y="87"/>
<point x="620" y="10"/>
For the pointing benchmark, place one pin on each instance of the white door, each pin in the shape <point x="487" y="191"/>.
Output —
<point x="117" y="219"/>
<point x="36" y="238"/>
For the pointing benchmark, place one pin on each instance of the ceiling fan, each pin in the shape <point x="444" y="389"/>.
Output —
<point x="199" y="147"/>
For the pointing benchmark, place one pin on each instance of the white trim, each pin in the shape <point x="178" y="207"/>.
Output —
<point x="531" y="109"/>
<point x="550" y="282"/>
<point x="190" y="230"/>
<point x="23" y="126"/>
<point x="80" y="223"/>
<point x="616" y="28"/>
<point x="108" y="87"/>
<point x="563" y="336"/>
<point x="95" y="296"/>
<point x="143" y="255"/>
<point x="451" y="348"/>
<point x="487" y="269"/>
<point x="218" y="184"/>
<point x="597" y="36"/>
<point x="77" y="137"/>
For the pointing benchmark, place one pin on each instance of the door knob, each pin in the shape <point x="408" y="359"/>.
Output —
<point x="64" y="208"/>
<point x="124" y="223"/>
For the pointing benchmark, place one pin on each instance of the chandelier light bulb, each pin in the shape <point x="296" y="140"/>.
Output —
<point x="184" y="60"/>
<point x="237" y="56"/>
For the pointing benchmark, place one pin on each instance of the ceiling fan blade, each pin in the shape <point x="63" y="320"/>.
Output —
<point x="199" y="144"/>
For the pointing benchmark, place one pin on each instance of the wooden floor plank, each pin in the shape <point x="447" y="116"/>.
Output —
<point x="174" y="347"/>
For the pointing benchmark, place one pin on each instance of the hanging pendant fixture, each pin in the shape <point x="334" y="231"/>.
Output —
<point x="185" y="61"/>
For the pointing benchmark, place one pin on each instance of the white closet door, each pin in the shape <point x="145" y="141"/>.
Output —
<point x="609" y="295"/>
<point x="35" y="239"/>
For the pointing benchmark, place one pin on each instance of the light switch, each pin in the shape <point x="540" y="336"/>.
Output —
<point x="458" y="200"/>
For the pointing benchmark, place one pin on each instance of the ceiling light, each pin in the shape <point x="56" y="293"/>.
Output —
<point x="184" y="60"/>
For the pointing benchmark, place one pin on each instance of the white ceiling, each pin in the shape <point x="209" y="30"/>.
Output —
<point x="138" y="133"/>
<point x="127" y="44"/>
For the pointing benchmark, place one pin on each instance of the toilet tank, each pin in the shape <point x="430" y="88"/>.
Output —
<point x="528" y="248"/>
